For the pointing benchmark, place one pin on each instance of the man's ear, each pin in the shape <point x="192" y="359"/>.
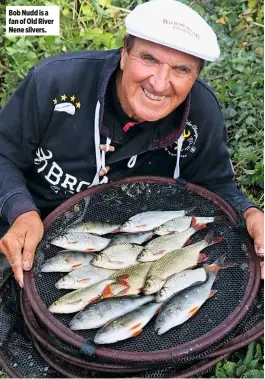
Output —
<point x="123" y="57"/>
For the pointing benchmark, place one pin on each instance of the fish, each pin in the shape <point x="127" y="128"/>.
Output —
<point x="143" y="222"/>
<point x="179" y="224"/>
<point x="83" y="277"/>
<point x="66" y="261"/>
<point x="128" y="281"/>
<point x="97" y="314"/>
<point x="81" y="242"/>
<point x="180" y="307"/>
<point x="118" y="256"/>
<point x="176" y="261"/>
<point x="127" y="326"/>
<point x="137" y="238"/>
<point x="160" y="246"/>
<point x="180" y="281"/>
<point x="76" y="300"/>
<point x="93" y="227"/>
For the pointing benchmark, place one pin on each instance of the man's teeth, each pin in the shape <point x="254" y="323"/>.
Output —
<point x="153" y="97"/>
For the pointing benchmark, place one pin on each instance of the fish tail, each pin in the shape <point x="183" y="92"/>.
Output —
<point x="202" y="257"/>
<point x="218" y="264"/>
<point x="219" y="219"/>
<point x="211" y="240"/>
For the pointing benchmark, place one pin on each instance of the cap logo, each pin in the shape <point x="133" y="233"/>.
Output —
<point x="180" y="26"/>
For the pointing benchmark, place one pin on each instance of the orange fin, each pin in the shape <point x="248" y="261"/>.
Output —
<point x="122" y="277"/>
<point x="193" y="310"/>
<point x="89" y="249"/>
<point x="124" y="283"/>
<point x="107" y="292"/>
<point x="136" y="333"/>
<point x="136" y="326"/>
<point x="77" y="265"/>
<point x="202" y="258"/>
<point x="94" y="299"/>
<point x="212" y="293"/>
<point x="123" y="292"/>
<point x="75" y="302"/>
<point x="160" y="252"/>
<point x="196" y="225"/>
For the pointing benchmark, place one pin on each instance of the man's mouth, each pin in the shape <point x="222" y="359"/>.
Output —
<point x="152" y="96"/>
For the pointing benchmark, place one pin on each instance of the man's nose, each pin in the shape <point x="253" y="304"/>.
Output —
<point x="160" y="78"/>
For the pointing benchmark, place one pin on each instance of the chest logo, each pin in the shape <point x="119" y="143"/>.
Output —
<point x="66" y="106"/>
<point x="190" y="136"/>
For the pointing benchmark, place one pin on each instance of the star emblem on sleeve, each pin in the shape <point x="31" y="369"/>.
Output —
<point x="64" y="97"/>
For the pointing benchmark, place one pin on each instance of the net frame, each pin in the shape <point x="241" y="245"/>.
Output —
<point x="200" y="343"/>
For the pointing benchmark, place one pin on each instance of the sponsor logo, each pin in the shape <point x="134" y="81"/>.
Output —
<point x="66" y="106"/>
<point x="190" y="136"/>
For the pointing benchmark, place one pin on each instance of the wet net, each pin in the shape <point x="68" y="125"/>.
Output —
<point x="234" y="311"/>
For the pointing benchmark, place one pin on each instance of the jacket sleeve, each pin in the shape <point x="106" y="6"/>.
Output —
<point x="211" y="166"/>
<point x="19" y="138"/>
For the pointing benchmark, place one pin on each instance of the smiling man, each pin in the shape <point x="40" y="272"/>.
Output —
<point x="89" y="117"/>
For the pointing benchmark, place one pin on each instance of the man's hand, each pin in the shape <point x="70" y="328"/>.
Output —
<point x="20" y="242"/>
<point x="255" y="226"/>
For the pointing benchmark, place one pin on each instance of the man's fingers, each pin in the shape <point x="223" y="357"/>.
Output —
<point x="13" y="255"/>
<point x="262" y="269"/>
<point x="29" y="252"/>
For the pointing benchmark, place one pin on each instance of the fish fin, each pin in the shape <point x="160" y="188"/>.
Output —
<point x="110" y="260"/>
<point x="189" y="211"/>
<point x="188" y="242"/>
<point x="160" y="252"/>
<point x="196" y="225"/>
<point x="219" y="219"/>
<point x="212" y="293"/>
<point x="202" y="257"/>
<point x="83" y="281"/>
<point x="122" y="277"/>
<point x="107" y="291"/>
<point x="193" y="310"/>
<point x="210" y="240"/>
<point x="116" y="231"/>
<point x="94" y="299"/>
<point x="136" y="333"/>
<point x="124" y="283"/>
<point x="77" y="266"/>
<point x="124" y="291"/>
<point x="89" y="250"/>
<point x="157" y="311"/>
<point x="136" y="326"/>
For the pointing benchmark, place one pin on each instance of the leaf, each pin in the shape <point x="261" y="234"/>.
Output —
<point x="230" y="369"/>
<point x="87" y="10"/>
<point x="254" y="374"/>
<point x="251" y="349"/>
<point x="240" y="370"/>
<point x="219" y="371"/>
<point x="253" y="364"/>
<point x="258" y="353"/>
<point x="252" y="3"/>
<point x="260" y="51"/>
<point x="104" y="3"/>
<point x="221" y="20"/>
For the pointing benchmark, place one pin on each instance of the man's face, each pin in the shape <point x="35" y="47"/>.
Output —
<point x="155" y="80"/>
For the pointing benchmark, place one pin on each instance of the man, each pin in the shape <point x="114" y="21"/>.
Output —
<point x="88" y="117"/>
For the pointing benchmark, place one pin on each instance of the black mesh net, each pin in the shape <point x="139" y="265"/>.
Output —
<point x="117" y="204"/>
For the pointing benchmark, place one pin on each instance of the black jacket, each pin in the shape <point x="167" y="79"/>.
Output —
<point x="52" y="125"/>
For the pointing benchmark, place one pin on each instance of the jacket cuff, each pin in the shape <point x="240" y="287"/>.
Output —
<point x="16" y="205"/>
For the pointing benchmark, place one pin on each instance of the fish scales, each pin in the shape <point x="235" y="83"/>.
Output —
<point x="83" y="277"/>
<point x="174" y="262"/>
<point x="179" y="224"/>
<point x="184" y="305"/>
<point x="137" y="238"/>
<point x="127" y="326"/>
<point x="66" y="261"/>
<point x="149" y="220"/>
<point x="118" y="256"/>
<point x="93" y="227"/>
<point x="97" y="314"/>
<point x="81" y="242"/>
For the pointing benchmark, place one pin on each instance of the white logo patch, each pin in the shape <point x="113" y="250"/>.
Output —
<point x="65" y="107"/>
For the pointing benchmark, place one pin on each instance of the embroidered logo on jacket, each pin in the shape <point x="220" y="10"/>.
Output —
<point x="60" y="182"/>
<point x="68" y="107"/>
<point x="190" y="136"/>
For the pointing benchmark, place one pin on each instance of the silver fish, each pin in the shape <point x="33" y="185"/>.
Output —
<point x="160" y="246"/>
<point x="180" y="224"/>
<point x="76" y="300"/>
<point x="118" y="256"/>
<point x="127" y="326"/>
<point x="81" y="242"/>
<point x="93" y="227"/>
<point x="184" y="305"/>
<point x="66" y="261"/>
<point x="97" y="314"/>
<point x="174" y="262"/>
<point x="180" y="281"/>
<point x="143" y="222"/>
<point x="137" y="238"/>
<point x="83" y="277"/>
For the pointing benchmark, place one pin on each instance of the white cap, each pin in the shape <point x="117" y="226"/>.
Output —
<point x="173" y="24"/>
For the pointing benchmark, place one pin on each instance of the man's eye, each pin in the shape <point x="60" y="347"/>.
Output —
<point x="148" y="58"/>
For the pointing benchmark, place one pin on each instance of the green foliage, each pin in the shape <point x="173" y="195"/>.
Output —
<point x="246" y="363"/>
